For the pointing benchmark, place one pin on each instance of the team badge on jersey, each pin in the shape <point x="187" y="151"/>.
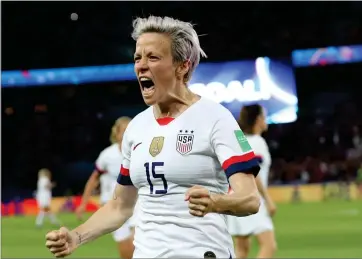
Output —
<point x="184" y="141"/>
<point x="156" y="146"/>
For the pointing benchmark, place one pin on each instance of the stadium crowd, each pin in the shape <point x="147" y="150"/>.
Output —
<point x="65" y="130"/>
<point x="64" y="127"/>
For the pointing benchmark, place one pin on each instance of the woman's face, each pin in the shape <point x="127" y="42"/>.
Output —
<point x="154" y="67"/>
<point x="261" y="121"/>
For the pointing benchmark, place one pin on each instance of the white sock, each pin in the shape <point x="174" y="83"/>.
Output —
<point x="40" y="218"/>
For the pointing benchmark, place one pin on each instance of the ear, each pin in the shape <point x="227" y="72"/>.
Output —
<point x="182" y="69"/>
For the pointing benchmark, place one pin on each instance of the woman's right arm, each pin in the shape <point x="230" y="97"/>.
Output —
<point x="109" y="217"/>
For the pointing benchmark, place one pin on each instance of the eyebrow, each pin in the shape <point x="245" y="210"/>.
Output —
<point x="148" y="54"/>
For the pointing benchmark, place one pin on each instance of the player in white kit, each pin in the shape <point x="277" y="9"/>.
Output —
<point x="252" y="122"/>
<point x="179" y="155"/>
<point x="106" y="172"/>
<point x="44" y="197"/>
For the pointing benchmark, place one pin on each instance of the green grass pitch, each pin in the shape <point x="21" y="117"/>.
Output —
<point x="331" y="229"/>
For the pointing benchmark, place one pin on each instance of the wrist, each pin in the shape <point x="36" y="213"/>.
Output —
<point x="214" y="208"/>
<point x="77" y="237"/>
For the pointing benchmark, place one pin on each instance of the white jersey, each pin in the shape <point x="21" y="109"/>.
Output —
<point x="108" y="164"/>
<point x="261" y="221"/>
<point x="106" y="184"/>
<point x="43" y="187"/>
<point x="163" y="159"/>
<point x="261" y="150"/>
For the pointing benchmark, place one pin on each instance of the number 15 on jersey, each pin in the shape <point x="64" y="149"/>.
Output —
<point x="151" y="169"/>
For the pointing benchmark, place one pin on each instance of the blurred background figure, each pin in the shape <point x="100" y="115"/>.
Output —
<point x="65" y="81"/>
<point x="107" y="168"/>
<point x="44" y="198"/>
<point x="252" y="121"/>
<point x="359" y="180"/>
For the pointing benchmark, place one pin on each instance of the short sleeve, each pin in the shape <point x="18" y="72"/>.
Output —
<point x="100" y="164"/>
<point x="232" y="148"/>
<point x="124" y="177"/>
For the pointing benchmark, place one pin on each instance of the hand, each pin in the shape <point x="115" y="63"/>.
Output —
<point x="272" y="208"/>
<point x="79" y="212"/>
<point x="61" y="242"/>
<point x="200" y="202"/>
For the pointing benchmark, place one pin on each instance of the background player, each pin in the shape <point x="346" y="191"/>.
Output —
<point x="253" y="122"/>
<point x="44" y="197"/>
<point x="106" y="172"/>
<point x="179" y="153"/>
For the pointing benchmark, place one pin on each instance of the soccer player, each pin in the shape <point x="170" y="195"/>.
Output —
<point x="179" y="154"/>
<point x="252" y="122"/>
<point x="44" y="198"/>
<point x="359" y="180"/>
<point x="105" y="173"/>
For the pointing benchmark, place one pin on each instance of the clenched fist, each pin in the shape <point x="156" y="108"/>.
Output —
<point x="61" y="242"/>
<point x="200" y="202"/>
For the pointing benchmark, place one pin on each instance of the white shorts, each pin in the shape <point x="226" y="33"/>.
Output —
<point x="123" y="232"/>
<point x="251" y="225"/>
<point x="43" y="201"/>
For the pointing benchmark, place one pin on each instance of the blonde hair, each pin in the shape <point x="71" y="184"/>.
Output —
<point x="185" y="44"/>
<point x="117" y="123"/>
<point x="44" y="172"/>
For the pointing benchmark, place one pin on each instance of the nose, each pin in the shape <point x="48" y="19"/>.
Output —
<point x="141" y="66"/>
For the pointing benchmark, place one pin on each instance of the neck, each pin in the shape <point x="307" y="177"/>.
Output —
<point x="257" y="131"/>
<point x="176" y="103"/>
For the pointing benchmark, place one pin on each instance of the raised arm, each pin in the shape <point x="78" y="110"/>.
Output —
<point x="109" y="217"/>
<point x="240" y="165"/>
<point x="105" y="220"/>
<point x="93" y="182"/>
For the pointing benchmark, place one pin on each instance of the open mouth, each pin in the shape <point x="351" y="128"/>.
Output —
<point x="147" y="85"/>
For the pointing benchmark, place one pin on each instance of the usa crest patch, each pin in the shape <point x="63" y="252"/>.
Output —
<point x="185" y="140"/>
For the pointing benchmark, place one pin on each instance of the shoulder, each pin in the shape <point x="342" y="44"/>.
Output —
<point x="108" y="150"/>
<point x="219" y="112"/>
<point x="139" y="120"/>
<point x="212" y="106"/>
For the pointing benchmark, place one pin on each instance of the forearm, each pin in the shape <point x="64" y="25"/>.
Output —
<point x="89" y="187"/>
<point x="236" y="204"/>
<point x="262" y="190"/>
<point x="105" y="220"/>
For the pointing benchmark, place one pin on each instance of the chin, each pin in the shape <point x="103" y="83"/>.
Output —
<point x="149" y="101"/>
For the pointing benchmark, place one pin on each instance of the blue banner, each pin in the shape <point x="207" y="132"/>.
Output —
<point x="66" y="76"/>
<point x="268" y="82"/>
<point x="327" y="56"/>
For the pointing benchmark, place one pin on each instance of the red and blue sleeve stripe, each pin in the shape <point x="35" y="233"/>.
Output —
<point x="124" y="178"/>
<point x="247" y="163"/>
<point x="260" y="158"/>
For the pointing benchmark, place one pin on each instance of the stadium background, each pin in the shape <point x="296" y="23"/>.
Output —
<point x="64" y="127"/>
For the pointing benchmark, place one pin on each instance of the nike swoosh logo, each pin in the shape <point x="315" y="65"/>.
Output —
<point x="134" y="148"/>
